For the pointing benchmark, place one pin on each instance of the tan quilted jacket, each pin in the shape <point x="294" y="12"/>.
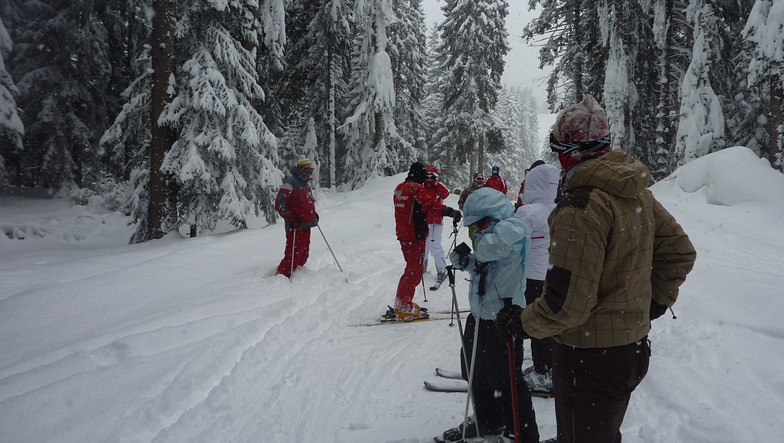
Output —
<point x="613" y="247"/>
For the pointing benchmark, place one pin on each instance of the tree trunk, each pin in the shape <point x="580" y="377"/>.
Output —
<point x="480" y="155"/>
<point x="378" y="134"/>
<point x="577" y="63"/>
<point x="162" y="137"/>
<point x="331" y="84"/>
<point x="775" y="125"/>
<point x="665" y="111"/>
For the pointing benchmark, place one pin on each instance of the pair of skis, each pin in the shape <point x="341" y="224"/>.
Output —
<point x="429" y="316"/>
<point x="448" y="382"/>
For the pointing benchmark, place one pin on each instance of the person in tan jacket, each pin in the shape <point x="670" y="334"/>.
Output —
<point x="617" y="259"/>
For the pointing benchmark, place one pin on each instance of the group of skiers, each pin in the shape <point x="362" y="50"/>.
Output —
<point x="594" y="260"/>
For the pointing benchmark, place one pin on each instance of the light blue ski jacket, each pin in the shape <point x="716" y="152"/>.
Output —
<point x="503" y="246"/>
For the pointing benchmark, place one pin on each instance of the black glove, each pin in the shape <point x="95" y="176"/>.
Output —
<point x="294" y="222"/>
<point x="454" y="213"/>
<point x="463" y="250"/>
<point x="508" y="323"/>
<point x="657" y="310"/>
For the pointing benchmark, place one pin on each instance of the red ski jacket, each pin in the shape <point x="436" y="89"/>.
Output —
<point x="411" y="208"/>
<point x="295" y="201"/>
<point x="497" y="182"/>
<point x="437" y="190"/>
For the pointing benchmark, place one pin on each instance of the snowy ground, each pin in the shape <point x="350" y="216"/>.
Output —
<point x="193" y="340"/>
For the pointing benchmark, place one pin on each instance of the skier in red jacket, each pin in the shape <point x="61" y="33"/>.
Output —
<point x="412" y="205"/>
<point x="496" y="181"/>
<point x="296" y="205"/>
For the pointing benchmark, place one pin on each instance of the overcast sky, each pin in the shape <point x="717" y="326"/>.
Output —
<point x="522" y="62"/>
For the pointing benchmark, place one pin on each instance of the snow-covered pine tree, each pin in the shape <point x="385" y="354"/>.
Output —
<point x="408" y="52"/>
<point x="11" y="127"/>
<point x="701" y="124"/>
<point x="620" y="90"/>
<point x="571" y="43"/>
<point x="223" y="161"/>
<point x="472" y="50"/>
<point x="128" y="35"/>
<point x="745" y="105"/>
<point x="371" y="125"/>
<point x="326" y="63"/>
<point x="61" y="61"/>
<point x="530" y="127"/>
<point x="765" y="31"/>
<point x="126" y="143"/>
<point x="439" y="153"/>
<point x="509" y="114"/>
<point x="673" y="38"/>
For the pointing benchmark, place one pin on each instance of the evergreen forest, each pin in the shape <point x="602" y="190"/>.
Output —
<point x="189" y="113"/>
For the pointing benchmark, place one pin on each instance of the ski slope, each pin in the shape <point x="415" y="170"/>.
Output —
<point x="194" y="340"/>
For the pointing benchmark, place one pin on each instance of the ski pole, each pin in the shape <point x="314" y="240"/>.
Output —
<point x="422" y="279"/>
<point x="330" y="251"/>
<point x="471" y="372"/>
<point x="330" y="248"/>
<point x="513" y="383"/>
<point x="451" y="273"/>
<point x="452" y="276"/>
<point x="453" y="234"/>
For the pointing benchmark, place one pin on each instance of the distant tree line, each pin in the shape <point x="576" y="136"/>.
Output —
<point x="189" y="113"/>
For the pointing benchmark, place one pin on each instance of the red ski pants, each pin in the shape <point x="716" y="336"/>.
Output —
<point x="414" y="255"/>
<point x="297" y="251"/>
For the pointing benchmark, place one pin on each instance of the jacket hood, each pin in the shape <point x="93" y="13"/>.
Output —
<point x="486" y="202"/>
<point x="615" y="172"/>
<point x="541" y="184"/>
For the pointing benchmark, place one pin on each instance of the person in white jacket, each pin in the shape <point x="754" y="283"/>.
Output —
<point x="539" y="194"/>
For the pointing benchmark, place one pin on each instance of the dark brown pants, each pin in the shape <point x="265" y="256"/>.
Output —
<point x="593" y="387"/>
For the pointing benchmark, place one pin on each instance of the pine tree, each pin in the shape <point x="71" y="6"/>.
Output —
<point x="701" y="125"/>
<point x="63" y="67"/>
<point x="408" y="51"/>
<point x="511" y="117"/>
<point x="622" y="86"/>
<point x="371" y="125"/>
<point x="11" y="127"/>
<point x="673" y="37"/>
<point x="327" y="64"/>
<point x="472" y="50"/>
<point x="765" y="31"/>
<point x="223" y="160"/>
<point x="572" y="45"/>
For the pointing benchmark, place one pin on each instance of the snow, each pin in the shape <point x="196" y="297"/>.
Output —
<point x="193" y="340"/>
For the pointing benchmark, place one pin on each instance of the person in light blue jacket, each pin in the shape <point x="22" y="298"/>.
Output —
<point x="497" y="276"/>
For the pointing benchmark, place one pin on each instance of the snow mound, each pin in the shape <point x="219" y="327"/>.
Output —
<point x="27" y="230"/>
<point x="730" y="177"/>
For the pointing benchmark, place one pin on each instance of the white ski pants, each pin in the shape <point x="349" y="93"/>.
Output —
<point x="433" y="246"/>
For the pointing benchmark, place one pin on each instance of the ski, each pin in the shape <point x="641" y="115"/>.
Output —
<point x="438" y="282"/>
<point x="449" y="311"/>
<point x="397" y="322"/>
<point x="446" y="386"/>
<point x="389" y="319"/>
<point x="449" y="374"/>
